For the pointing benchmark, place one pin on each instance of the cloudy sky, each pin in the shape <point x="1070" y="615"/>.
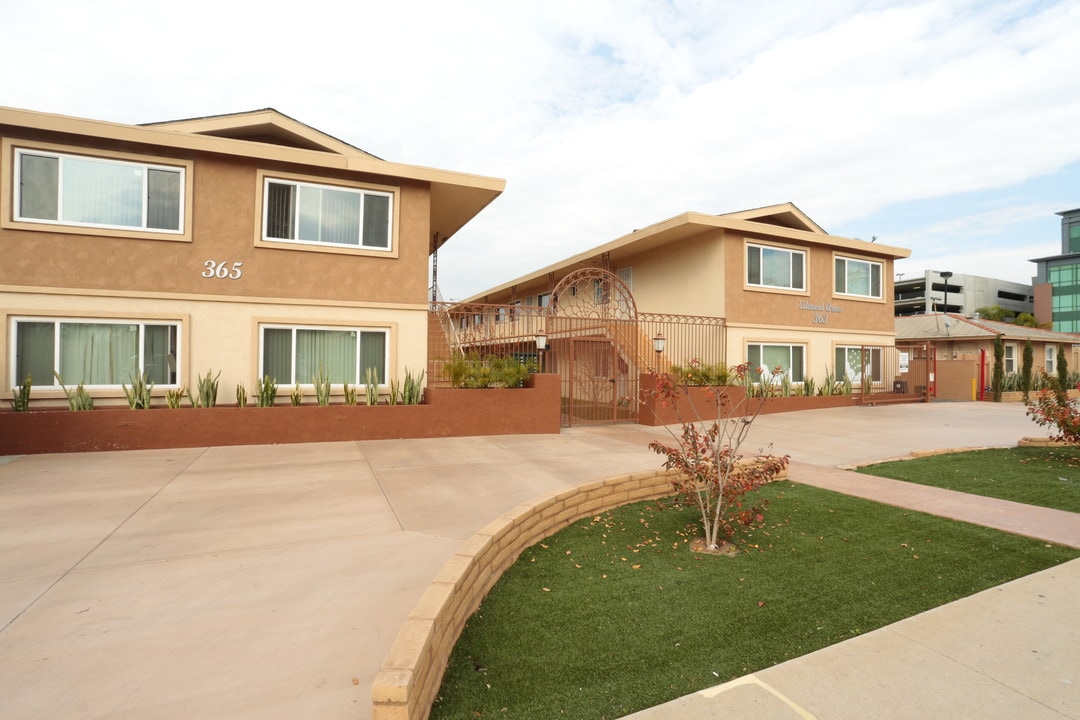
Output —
<point x="951" y="127"/>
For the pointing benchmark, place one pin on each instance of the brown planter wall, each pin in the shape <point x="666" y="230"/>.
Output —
<point x="652" y="412"/>
<point x="446" y="413"/>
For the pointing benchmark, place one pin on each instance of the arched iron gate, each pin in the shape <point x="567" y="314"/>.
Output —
<point x="596" y="341"/>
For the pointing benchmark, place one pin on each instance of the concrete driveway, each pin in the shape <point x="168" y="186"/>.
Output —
<point x="269" y="582"/>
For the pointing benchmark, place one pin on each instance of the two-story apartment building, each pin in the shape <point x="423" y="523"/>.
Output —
<point x="790" y="294"/>
<point x="247" y="245"/>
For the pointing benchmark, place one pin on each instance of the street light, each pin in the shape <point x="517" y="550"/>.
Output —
<point x="658" y="343"/>
<point x="945" y="275"/>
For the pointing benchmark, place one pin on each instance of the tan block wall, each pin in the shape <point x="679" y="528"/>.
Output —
<point x="409" y="680"/>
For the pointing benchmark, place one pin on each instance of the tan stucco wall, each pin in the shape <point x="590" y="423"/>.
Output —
<point x="219" y="335"/>
<point x="687" y="280"/>
<point x="820" y="344"/>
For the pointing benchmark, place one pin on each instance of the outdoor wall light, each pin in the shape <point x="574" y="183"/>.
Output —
<point x="658" y="343"/>
<point x="541" y="346"/>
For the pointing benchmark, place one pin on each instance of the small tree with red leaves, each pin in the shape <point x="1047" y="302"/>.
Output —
<point x="1051" y="408"/>
<point x="710" y="470"/>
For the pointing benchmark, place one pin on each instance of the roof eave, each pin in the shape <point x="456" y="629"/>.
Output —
<point x="689" y="224"/>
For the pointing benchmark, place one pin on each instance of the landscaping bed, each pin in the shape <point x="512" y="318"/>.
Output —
<point x="446" y="412"/>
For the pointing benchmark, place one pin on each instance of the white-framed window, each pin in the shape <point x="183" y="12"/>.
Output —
<point x="775" y="267"/>
<point x="83" y="191"/>
<point x="309" y="213"/>
<point x="1051" y="359"/>
<point x="294" y="355"/>
<point x="852" y="361"/>
<point x="543" y="299"/>
<point x="1010" y="358"/>
<point x="99" y="353"/>
<point x="791" y="359"/>
<point x="626" y="274"/>
<point x="860" y="278"/>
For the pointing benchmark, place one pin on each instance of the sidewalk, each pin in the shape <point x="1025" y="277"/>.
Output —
<point x="269" y="582"/>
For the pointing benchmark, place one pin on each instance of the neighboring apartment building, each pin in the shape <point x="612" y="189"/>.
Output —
<point x="249" y="244"/>
<point x="963" y="349"/>
<point x="791" y="294"/>
<point x="937" y="291"/>
<point x="1057" y="279"/>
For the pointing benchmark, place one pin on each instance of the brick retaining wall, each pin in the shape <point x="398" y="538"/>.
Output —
<point x="407" y="684"/>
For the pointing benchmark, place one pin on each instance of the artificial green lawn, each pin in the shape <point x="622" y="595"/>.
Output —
<point x="1049" y="477"/>
<point x="615" y="613"/>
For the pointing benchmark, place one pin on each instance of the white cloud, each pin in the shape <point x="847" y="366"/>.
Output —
<point x="603" y="116"/>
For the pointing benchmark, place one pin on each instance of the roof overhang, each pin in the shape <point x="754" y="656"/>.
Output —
<point x="689" y="225"/>
<point x="456" y="198"/>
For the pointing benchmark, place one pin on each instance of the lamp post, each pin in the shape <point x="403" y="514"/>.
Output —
<point x="541" y="346"/>
<point x="658" y="344"/>
<point x="945" y="275"/>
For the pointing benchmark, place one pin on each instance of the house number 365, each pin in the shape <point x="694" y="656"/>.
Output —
<point x="222" y="270"/>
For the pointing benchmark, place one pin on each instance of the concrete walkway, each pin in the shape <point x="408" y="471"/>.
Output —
<point x="269" y="582"/>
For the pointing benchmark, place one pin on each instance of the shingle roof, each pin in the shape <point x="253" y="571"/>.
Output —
<point x="950" y="325"/>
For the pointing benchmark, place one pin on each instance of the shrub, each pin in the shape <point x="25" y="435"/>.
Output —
<point x="350" y="394"/>
<point x="697" y="373"/>
<point x="998" y="378"/>
<point x="321" y="381"/>
<point x="371" y="386"/>
<point x="208" y="390"/>
<point x="412" y="392"/>
<point x="265" y="392"/>
<point x="78" y="399"/>
<point x="706" y="455"/>
<point x="20" y="398"/>
<point x="1025" y="369"/>
<point x="488" y="371"/>
<point x="138" y="397"/>
<point x="174" y="397"/>
<point x="1061" y="416"/>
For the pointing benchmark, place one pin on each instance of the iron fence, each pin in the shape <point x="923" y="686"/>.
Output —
<point x="599" y="359"/>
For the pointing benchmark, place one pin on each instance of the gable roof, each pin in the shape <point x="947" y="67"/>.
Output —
<point x="268" y="135"/>
<point x="785" y="222"/>
<point x="782" y="215"/>
<point x="950" y="326"/>
<point x="266" y="125"/>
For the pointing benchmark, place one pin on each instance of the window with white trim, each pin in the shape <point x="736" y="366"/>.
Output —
<point x="64" y="189"/>
<point x="294" y="355"/>
<point x="1051" y="359"/>
<point x="860" y="278"/>
<point x="97" y="353"/>
<point x="852" y="361"/>
<point x="626" y="274"/>
<point x="301" y="212"/>
<point x="775" y="267"/>
<point x="543" y="299"/>
<point x="790" y="359"/>
<point x="1010" y="358"/>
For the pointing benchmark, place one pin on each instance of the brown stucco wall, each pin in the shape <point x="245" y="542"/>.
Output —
<point x="224" y="224"/>
<point x="777" y="307"/>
